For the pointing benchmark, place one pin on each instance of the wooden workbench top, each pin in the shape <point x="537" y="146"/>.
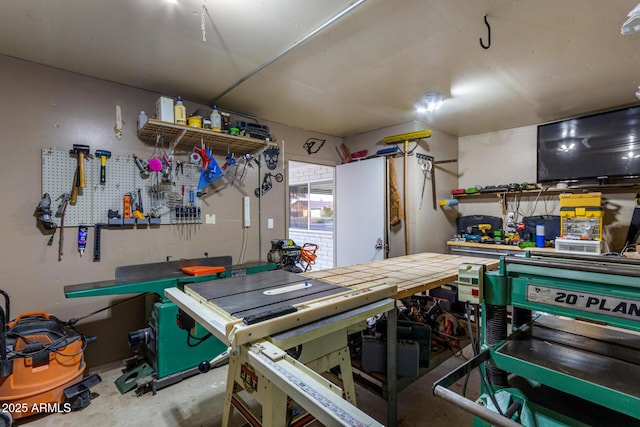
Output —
<point x="411" y="274"/>
<point x="512" y="248"/>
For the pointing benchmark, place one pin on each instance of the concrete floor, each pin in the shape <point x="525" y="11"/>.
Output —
<point x="198" y="401"/>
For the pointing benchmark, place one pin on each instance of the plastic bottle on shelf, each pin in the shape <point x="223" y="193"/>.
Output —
<point x="142" y="119"/>
<point x="216" y="120"/>
<point x="540" y="233"/>
<point x="180" y="112"/>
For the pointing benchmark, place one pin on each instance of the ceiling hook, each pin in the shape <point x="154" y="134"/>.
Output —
<point x="487" y="46"/>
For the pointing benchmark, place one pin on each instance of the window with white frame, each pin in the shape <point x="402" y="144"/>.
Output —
<point x="311" y="206"/>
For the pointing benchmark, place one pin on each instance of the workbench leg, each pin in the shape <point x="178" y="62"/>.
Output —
<point x="392" y="379"/>
<point x="348" y="386"/>
<point x="274" y="408"/>
<point x="231" y="382"/>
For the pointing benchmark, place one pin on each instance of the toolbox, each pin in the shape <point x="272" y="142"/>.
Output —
<point x="581" y="216"/>
<point x="583" y="223"/>
<point x="578" y="200"/>
<point x="469" y="223"/>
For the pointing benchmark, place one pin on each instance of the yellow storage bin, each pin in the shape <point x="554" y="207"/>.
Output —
<point x="583" y="199"/>
<point x="583" y="222"/>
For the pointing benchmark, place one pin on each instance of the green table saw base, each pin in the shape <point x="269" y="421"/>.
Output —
<point x="171" y="353"/>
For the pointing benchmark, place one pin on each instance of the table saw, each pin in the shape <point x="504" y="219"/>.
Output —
<point x="268" y="318"/>
<point x="572" y="356"/>
<point x="168" y="356"/>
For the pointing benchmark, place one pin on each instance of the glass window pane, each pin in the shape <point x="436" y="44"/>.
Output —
<point x="321" y="205"/>
<point x="298" y="206"/>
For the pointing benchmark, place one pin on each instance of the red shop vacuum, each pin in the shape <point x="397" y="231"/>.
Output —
<point x="41" y="366"/>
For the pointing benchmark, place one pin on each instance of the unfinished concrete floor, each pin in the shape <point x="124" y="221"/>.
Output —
<point x="198" y="402"/>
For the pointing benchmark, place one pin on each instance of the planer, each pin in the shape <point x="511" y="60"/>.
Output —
<point x="572" y="353"/>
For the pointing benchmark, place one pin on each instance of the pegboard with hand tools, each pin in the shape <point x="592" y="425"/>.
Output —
<point x="164" y="197"/>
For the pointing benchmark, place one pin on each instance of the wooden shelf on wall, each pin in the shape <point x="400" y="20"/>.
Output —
<point x="614" y="188"/>
<point x="174" y="134"/>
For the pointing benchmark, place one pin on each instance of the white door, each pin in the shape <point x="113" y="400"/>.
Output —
<point x="360" y="211"/>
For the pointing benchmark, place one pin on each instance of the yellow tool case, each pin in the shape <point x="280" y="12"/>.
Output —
<point x="580" y="200"/>
<point x="584" y="222"/>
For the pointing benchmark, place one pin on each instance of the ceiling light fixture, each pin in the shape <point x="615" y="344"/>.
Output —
<point x="430" y="102"/>
<point x="632" y="24"/>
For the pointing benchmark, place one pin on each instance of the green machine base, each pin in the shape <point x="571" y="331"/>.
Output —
<point x="568" y="353"/>
<point x="169" y="351"/>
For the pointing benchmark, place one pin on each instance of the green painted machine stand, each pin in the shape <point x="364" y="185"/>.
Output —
<point x="170" y="353"/>
<point x="569" y="353"/>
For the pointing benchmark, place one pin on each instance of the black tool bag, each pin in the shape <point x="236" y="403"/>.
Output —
<point x="551" y="227"/>
<point x="469" y="224"/>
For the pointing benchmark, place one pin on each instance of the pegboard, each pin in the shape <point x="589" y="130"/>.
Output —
<point x="159" y="193"/>
<point x="58" y="172"/>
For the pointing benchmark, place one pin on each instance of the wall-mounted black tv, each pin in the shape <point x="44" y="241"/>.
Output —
<point x="594" y="147"/>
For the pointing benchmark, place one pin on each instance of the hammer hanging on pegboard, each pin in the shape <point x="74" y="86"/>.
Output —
<point x="79" y="179"/>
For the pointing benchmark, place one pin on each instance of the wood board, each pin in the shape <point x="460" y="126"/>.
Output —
<point x="411" y="274"/>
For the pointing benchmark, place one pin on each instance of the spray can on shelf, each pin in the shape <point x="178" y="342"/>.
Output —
<point x="83" y="230"/>
<point x="180" y="112"/>
<point x="216" y="120"/>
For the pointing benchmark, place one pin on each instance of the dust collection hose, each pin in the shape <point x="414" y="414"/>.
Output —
<point x="496" y="331"/>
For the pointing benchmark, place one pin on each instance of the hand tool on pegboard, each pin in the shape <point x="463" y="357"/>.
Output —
<point x="142" y="166"/>
<point x="81" y="151"/>
<point x="97" y="242"/>
<point x="138" y="210"/>
<point x="79" y="178"/>
<point x="43" y="211"/>
<point x="62" y="209"/>
<point x="126" y="204"/>
<point x="73" y="197"/>
<point x="104" y="155"/>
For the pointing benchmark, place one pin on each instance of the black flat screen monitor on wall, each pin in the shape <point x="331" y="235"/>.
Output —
<point x="598" y="146"/>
